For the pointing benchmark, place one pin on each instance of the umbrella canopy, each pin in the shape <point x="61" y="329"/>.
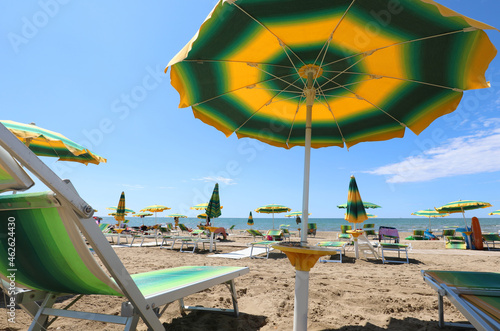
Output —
<point x="143" y="214"/>
<point x="250" y="219"/>
<point x="48" y="143"/>
<point x="365" y="204"/>
<point x="461" y="206"/>
<point x="177" y="215"/>
<point x="257" y="68"/>
<point x="120" y="210"/>
<point x="295" y="214"/>
<point x="126" y="210"/>
<point x="155" y="209"/>
<point x="202" y="216"/>
<point x="273" y="209"/>
<point x="213" y="208"/>
<point x="202" y="206"/>
<point x="430" y="213"/>
<point x="496" y="212"/>
<point x="356" y="212"/>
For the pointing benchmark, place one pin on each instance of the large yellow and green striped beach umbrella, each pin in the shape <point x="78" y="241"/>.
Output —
<point x="43" y="142"/>
<point x="356" y="212"/>
<point x="156" y="209"/>
<point x="322" y="73"/>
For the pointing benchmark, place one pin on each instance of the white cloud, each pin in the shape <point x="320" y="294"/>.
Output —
<point x="216" y="179"/>
<point x="458" y="156"/>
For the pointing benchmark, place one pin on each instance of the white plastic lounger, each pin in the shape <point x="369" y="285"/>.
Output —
<point x="267" y="244"/>
<point x="336" y="247"/>
<point x="394" y="247"/>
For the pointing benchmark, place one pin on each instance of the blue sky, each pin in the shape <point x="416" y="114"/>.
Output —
<point x="93" y="71"/>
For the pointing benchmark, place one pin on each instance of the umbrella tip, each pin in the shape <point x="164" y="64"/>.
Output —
<point x="32" y="123"/>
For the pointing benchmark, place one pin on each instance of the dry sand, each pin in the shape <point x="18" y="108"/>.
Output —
<point x="355" y="295"/>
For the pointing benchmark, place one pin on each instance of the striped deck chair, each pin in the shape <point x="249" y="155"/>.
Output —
<point x="455" y="242"/>
<point x="394" y="247"/>
<point x="491" y="238"/>
<point x="12" y="176"/>
<point x="276" y="234"/>
<point x="184" y="228"/>
<point x="418" y="234"/>
<point x="255" y="233"/>
<point x="343" y="235"/>
<point x="369" y="229"/>
<point x="311" y="229"/>
<point x="448" y="233"/>
<point x="336" y="247"/>
<point x="53" y="260"/>
<point x="475" y="294"/>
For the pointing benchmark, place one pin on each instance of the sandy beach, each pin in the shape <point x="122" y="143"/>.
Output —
<point x="354" y="295"/>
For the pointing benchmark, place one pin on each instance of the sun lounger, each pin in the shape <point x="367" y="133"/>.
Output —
<point x="394" y="247"/>
<point x="447" y="233"/>
<point x="53" y="260"/>
<point x="367" y="247"/>
<point x="455" y="242"/>
<point x="255" y="233"/>
<point x="311" y="229"/>
<point x="491" y="238"/>
<point x="387" y="233"/>
<point x="343" y="235"/>
<point x="267" y="244"/>
<point x="275" y="234"/>
<point x="369" y="229"/>
<point x="336" y="246"/>
<point x="475" y="294"/>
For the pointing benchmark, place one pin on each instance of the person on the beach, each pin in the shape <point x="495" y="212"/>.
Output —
<point x="208" y="221"/>
<point x="298" y="220"/>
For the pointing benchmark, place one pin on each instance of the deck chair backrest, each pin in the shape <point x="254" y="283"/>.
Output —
<point x="12" y="176"/>
<point x="51" y="254"/>
<point x="449" y="233"/>
<point x="344" y="228"/>
<point x="183" y="227"/>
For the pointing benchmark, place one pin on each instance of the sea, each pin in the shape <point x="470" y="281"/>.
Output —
<point x="490" y="224"/>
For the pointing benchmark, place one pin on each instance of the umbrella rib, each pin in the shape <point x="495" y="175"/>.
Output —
<point x="370" y="52"/>
<point x="236" y="61"/>
<point x="328" y="42"/>
<point x="364" y="99"/>
<point x="266" y="104"/>
<point x="398" y="78"/>
<point x="340" y="73"/>
<point x="282" y="44"/>
<point x="333" y="115"/>
<point x="250" y="86"/>
<point x="293" y="121"/>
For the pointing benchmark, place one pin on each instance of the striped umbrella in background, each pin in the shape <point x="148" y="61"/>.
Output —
<point x="143" y="214"/>
<point x="250" y="219"/>
<point x="213" y="207"/>
<point x="43" y="142"/>
<point x="431" y="213"/>
<point x="126" y="210"/>
<point x="295" y="214"/>
<point x="202" y="216"/>
<point x="273" y="209"/>
<point x="461" y="206"/>
<point x="156" y="209"/>
<point x="356" y="212"/>
<point x="496" y="212"/>
<point x="120" y="210"/>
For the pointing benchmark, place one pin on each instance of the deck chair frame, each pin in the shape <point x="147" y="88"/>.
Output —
<point x="337" y="247"/>
<point x="67" y="194"/>
<point x="393" y="247"/>
<point x="477" y="318"/>
<point x="267" y="244"/>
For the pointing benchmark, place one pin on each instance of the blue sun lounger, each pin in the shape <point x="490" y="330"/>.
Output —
<point x="53" y="260"/>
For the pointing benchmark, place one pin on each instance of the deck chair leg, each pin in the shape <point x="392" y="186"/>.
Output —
<point x="441" y="310"/>
<point x="232" y="289"/>
<point x="40" y="319"/>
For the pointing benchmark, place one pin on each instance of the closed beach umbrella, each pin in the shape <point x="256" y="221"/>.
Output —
<point x="356" y="212"/>
<point x="273" y="209"/>
<point x="49" y="143"/>
<point x="120" y="210"/>
<point x="367" y="205"/>
<point x="250" y="219"/>
<point x="257" y="68"/>
<point x="367" y="214"/>
<point x="496" y="212"/>
<point x="213" y="207"/>
<point x="461" y="206"/>
<point x="429" y="213"/>
<point x="156" y="209"/>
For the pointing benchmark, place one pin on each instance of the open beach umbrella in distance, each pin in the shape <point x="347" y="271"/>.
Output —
<point x="142" y="214"/>
<point x="258" y="68"/>
<point x="126" y="210"/>
<point x="202" y="216"/>
<point x="202" y="206"/>
<point x="430" y="213"/>
<point x="273" y="209"/>
<point x="250" y="219"/>
<point x="295" y="214"/>
<point x="177" y="215"/>
<point x="156" y="209"/>
<point x="461" y="206"/>
<point x="496" y="212"/>
<point x="43" y="142"/>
